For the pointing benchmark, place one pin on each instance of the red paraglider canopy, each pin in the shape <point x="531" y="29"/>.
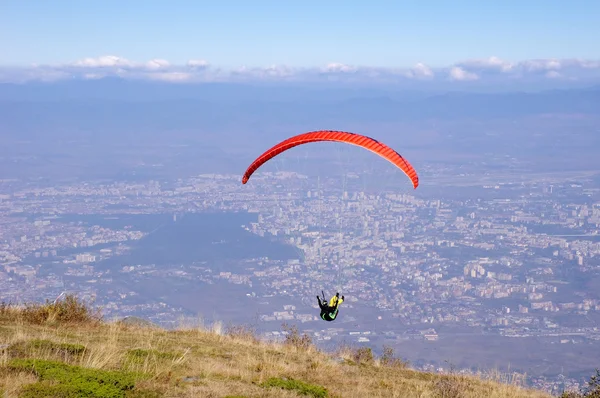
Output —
<point x="338" y="136"/>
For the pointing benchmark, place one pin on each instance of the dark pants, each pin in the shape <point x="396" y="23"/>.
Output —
<point x="329" y="316"/>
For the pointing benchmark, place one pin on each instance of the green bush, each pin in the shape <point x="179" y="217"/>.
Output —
<point x="46" y="390"/>
<point x="297" y="385"/>
<point x="57" y="379"/>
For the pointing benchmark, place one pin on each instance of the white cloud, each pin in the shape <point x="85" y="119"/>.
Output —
<point x="542" y="65"/>
<point x="171" y="76"/>
<point x="279" y="71"/>
<point x="335" y="67"/>
<point x="157" y="64"/>
<point x="458" y="73"/>
<point x="491" y="63"/>
<point x="420" y="71"/>
<point x="104" y="61"/>
<point x="275" y="72"/>
<point x="492" y="69"/>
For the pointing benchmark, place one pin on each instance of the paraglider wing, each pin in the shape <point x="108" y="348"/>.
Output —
<point x="338" y="136"/>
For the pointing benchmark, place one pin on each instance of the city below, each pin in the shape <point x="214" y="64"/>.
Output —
<point x="445" y="279"/>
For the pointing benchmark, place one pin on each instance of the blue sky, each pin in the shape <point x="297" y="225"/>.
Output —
<point x="303" y="33"/>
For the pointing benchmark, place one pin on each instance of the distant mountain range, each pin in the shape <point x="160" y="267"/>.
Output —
<point x="118" y="104"/>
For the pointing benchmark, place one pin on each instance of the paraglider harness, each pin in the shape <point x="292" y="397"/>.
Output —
<point x="329" y="313"/>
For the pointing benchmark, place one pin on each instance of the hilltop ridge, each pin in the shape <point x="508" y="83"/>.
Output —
<point x="65" y="349"/>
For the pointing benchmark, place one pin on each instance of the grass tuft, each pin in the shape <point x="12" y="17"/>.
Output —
<point x="139" y="355"/>
<point x="242" y="333"/>
<point x="389" y="359"/>
<point x="294" y="339"/>
<point x="46" y="348"/>
<point x="69" y="310"/>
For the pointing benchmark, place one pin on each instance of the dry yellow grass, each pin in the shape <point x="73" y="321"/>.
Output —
<point x="202" y="363"/>
<point x="198" y="362"/>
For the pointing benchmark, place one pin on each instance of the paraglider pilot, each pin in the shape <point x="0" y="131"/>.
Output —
<point x="329" y="311"/>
